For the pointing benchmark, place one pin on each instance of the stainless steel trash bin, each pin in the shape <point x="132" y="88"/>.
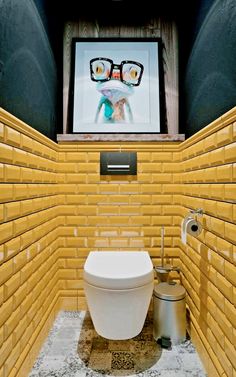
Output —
<point x="169" y="312"/>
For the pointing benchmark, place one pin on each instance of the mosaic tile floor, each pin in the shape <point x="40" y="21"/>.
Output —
<point x="74" y="349"/>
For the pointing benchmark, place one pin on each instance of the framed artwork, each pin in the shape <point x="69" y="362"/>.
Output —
<point x="116" y="85"/>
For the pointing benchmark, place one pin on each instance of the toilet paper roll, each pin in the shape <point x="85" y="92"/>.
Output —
<point x="190" y="226"/>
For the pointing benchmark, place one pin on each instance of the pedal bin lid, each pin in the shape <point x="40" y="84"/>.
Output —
<point x="169" y="292"/>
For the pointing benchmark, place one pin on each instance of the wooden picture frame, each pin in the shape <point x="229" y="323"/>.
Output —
<point x="128" y="97"/>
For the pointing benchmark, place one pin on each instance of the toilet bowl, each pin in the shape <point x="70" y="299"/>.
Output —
<point x="118" y="286"/>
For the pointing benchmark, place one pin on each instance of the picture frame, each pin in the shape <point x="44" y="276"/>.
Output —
<point x="116" y="86"/>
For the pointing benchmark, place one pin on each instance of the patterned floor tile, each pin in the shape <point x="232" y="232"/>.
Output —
<point x="122" y="360"/>
<point x="74" y="349"/>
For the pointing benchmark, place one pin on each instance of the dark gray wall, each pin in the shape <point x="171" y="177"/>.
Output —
<point x="28" y="76"/>
<point x="210" y="79"/>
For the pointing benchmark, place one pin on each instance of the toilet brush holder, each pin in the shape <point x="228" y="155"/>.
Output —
<point x="164" y="271"/>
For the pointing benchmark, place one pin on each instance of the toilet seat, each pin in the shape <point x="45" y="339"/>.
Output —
<point x="118" y="270"/>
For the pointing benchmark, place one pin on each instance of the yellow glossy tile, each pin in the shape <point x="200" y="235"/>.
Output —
<point x="93" y="156"/>
<point x="88" y="189"/>
<point x="98" y="199"/>
<point x="217" y="191"/>
<point x="115" y="199"/>
<point x="141" y="242"/>
<point x="210" y="207"/>
<point x="234" y="131"/>
<point x="1" y="172"/>
<point x="20" y="260"/>
<point x="131" y="231"/>
<point x="67" y="167"/>
<point x="88" y="167"/>
<point x="20" y="157"/>
<point x="12" y="247"/>
<point x="2" y="129"/>
<point x="207" y="175"/>
<point x="216" y="226"/>
<point x="150" y="189"/>
<point x="210" y="142"/>
<point x="225" y="211"/>
<point x="234" y="172"/>
<point x="29" y="175"/>
<point x="144" y="157"/>
<point x="230" y="153"/>
<point x="26" y="207"/>
<point x="150" y="167"/>
<point x="161" y="220"/>
<point x="217" y="156"/>
<point x="76" y="199"/>
<point x="171" y="210"/>
<point x="12" y="136"/>
<point x="19" y="295"/>
<point x="93" y="178"/>
<point x="224" y="136"/>
<point x="162" y="178"/>
<point x="6" y="232"/>
<point x="12" y="210"/>
<point x="218" y="262"/>
<point x="173" y="189"/>
<point x="230" y="232"/>
<point x="76" y="220"/>
<point x="12" y="173"/>
<point x="170" y="167"/>
<point x="139" y="199"/>
<point x="130" y="210"/>
<point x="6" y="349"/>
<point x="224" y="324"/>
<point x="26" y="239"/>
<point x="230" y="352"/>
<point x="20" y="225"/>
<point x="1" y="213"/>
<point x="224" y="248"/>
<point x="230" y="192"/>
<point x="11" y="285"/>
<point x="86" y="210"/>
<point x="150" y="209"/>
<point x="230" y="313"/>
<point x="203" y="160"/>
<point x="161" y="199"/>
<point x="162" y="156"/>
<point x="230" y="272"/>
<point x="6" y="153"/>
<point x="27" y="143"/>
<point x="75" y="157"/>
<point x="118" y="220"/>
<point x="130" y="188"/>
<point x="224" y="173"/>
<point x="145" y="178"/>
<point x="107" y="232"/>
<point x="12" y="322"/>
<point x="118" y="242"/>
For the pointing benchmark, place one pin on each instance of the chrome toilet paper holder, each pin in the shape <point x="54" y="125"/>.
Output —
<point x="191" y="225"/>
<point x="196" y="212"/>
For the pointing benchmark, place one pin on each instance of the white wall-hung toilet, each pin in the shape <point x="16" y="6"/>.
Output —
<point x="118" y="287"/>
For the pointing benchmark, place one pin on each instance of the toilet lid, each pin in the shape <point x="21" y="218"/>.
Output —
<point x="118" y="269"/>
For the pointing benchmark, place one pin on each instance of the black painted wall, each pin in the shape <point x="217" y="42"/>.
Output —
<point x="210" y="77"/>
<point x="28" y="70"/>
<point x="31" y="61"/>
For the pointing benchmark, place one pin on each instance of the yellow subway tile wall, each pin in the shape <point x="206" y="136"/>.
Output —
<point x="29" y="224"/>
<point x="208" y="262"/>
<point x="55" y="207"/>
<point x="115" y="212"/>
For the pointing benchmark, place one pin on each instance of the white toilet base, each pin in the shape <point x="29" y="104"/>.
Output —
<point x="118" y="314"/>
